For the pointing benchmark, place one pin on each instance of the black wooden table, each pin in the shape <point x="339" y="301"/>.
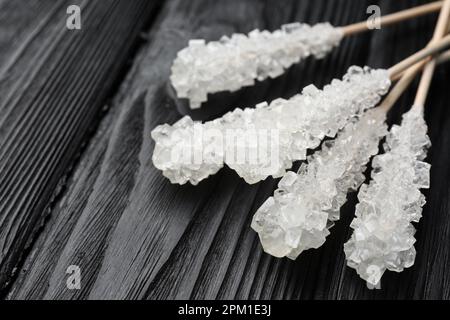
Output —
<point x="77" y="184"/>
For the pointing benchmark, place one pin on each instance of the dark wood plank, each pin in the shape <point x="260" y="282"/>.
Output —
<point x="136" y="236"/>
<point x="54" y="82"/>
<point x="80" y="249"/>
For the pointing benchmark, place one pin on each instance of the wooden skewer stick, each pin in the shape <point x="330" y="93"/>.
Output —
<point x="427" y="75"/>
<point x="443" y="57"/>
<point x="406" y="78"/>
<point x="394" y="17"/>
<point x="424" y="85"/>
<point x="419" y="65"/>
<point x="408" y="75"/>
<point x="401" y="86"/>
<point x="431" y="49"/>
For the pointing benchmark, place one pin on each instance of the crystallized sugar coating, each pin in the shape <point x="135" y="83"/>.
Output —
<point x="233" y="63"/>
<point x="383" y="236"/>
<point x="180" y="152"/>
<point x="265" y="141"/>
<point x="306" y="203"/>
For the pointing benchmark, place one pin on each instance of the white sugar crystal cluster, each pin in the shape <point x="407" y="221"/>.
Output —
<point x="266" y="140"/>
<point x="383" y="236"/>
<point x="233" y="63"/>
<point x="306" y="203"/>
<point x="186" y="152"/>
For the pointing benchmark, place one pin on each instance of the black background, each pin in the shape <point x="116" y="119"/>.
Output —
<point x="78" y="186"/>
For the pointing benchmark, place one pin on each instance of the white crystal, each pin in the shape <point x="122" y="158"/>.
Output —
<point x="265" y="141"/>
<point x="179" y="151"/>
<point x="383" y="236"/>
<point x="298" y="216"/>
<point x="232" y="63"/>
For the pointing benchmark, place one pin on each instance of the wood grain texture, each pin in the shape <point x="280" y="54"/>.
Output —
<point x="54" y="82"/>
<point x="136" y="236"/>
